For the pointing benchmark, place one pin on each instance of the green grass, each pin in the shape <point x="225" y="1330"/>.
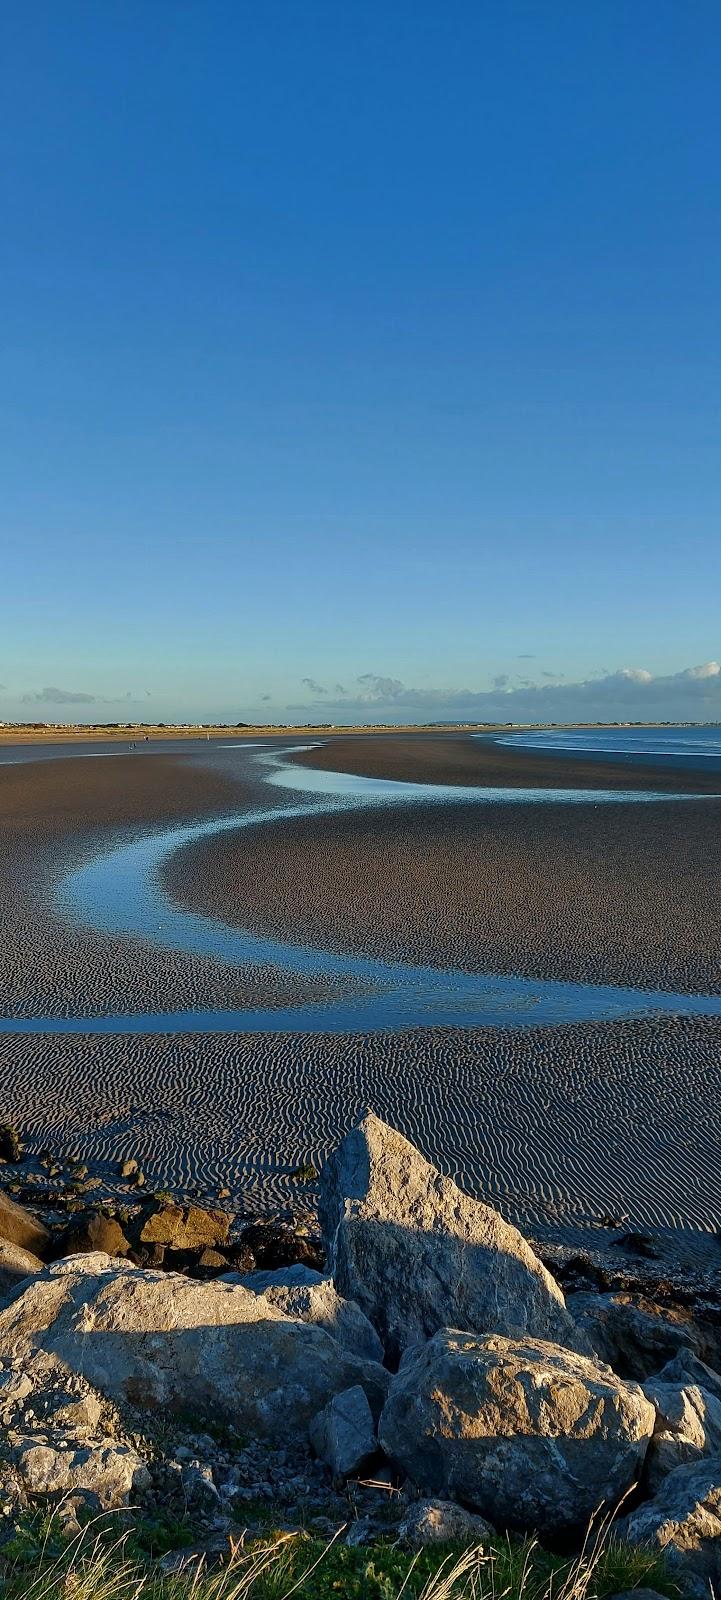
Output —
<point x="40" y="1565"/>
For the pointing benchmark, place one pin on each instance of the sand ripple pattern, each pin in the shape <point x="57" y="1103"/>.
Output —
<point x="556" y="1125"/>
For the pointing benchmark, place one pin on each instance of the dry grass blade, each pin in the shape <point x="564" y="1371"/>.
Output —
<point x="442" y="1585"/>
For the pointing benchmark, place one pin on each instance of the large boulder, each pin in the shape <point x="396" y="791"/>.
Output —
<point x="688" y="1427"/>
<point x="527" y="1433"/>
<point x="18" y="1226"/>
<point x="684" y="1521"/>
<point x="158" y="1341"/>
<point x="302" y="1293"/>
<point x="15" y="1265"/>
<point x="417" y="1254"/>
<point x="635" y="1336"/>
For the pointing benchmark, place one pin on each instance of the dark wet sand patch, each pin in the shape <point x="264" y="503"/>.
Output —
<point x="618" y="894"/>
<point x="461" y="759"/>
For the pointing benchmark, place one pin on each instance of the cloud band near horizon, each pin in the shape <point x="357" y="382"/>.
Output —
<point x="630" y="694"/>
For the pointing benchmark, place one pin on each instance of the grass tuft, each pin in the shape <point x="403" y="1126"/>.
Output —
<point x="97" y="1566"/>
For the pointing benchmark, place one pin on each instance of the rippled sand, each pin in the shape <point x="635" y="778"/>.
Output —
<point x="623" y="894"/>
<point x="559" y="1125"/>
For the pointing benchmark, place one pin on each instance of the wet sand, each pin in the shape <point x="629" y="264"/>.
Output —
<point x="462" y="759"/>
<point x="55" y="814"/>
<point x="613" y="894"/>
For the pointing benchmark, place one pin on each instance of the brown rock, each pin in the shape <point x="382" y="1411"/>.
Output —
<point x="185" y="1227"/>
<point x="212" y="1259"/>
<point x="634" y="1335"/>
<point x="15" y="1265"/>
<point x="17" y="1226"/>
<point x="90" y="1230"/>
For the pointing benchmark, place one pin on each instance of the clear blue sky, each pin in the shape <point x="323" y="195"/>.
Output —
<point x="375" y="341"/>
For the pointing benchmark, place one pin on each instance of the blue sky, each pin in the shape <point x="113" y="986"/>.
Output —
<point x="374" y="345"/>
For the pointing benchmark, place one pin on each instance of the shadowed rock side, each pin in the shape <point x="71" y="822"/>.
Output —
<point x="417" y="1254"/>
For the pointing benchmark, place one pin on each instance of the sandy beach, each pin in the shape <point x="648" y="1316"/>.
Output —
<point x="460" y="758"/>
<point x="55" y="814"/>
<point x="616" y="894"/>
<point x="560" y="1126"/>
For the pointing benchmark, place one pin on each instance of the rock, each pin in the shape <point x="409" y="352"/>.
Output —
<point x="190" y="1562"/>
<point x="17" y="1226"/>
<point x="78" y="1413"/>
<point x="297" y="1276"/>
<point x="212" y="1261"/>
<point x="441" y="1522"/>
<point x="185" y="1227"/>
<point x="10" y="1145"/>
<point x="272" y="1245"/>
<point x="417" y="1254"/>
<point x="634" y="1336"/>
<point x="199" y="1486"/>
<point x="91" y="1230"/>
<point x="15" y="1386"/>
<point x="106" y="1473"/>
<point x="317" y="1301"/>
<point x="686" y="1368"/>
<point x="128" y="1168"/>
<point x="636" y="1244"/>
<point x="343" y="1434"/>
<point x="158" y="1341"/>
<point x="16" y="1264"/>
<point x="361" y="1532"/>
<point x="688" y="1426"/>
<point x="529" y="1434"/>
<point x="684" y="1521"/>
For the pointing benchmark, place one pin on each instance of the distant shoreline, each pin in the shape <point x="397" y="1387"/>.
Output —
<point x="68" y="733"/>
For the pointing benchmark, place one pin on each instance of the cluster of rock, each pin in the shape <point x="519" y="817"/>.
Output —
<point x="436" y="1352"/>
<point x="156" y="1232"/>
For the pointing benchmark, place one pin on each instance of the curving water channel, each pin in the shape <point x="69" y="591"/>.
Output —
<point x="121" y="892"/>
